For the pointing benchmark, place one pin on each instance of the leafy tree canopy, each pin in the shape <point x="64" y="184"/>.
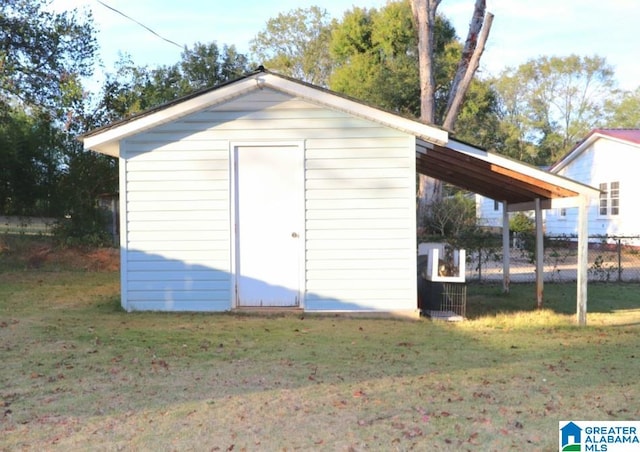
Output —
<point x="623" y="110"/>
<point x="43" y="54"/>
<point x="376" y="57"/>
<point x="549" y="103"/>
<point x="133" y="89"/>
<point x="295" y="44"/>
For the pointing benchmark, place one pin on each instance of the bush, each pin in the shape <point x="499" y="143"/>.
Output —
<point x="85" y="229"/>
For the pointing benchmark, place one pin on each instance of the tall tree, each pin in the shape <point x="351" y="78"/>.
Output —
<point x="375" y="54"/>
<point x="469" y="61"/>
<point x="43" y="54"/>
<point x="623" y="110"/>
<point x="425" y="13"/>
<point x="30" y="163"/>
<point x="295" y="44"/>
<point x="549" y="103"/>
<point x="133" y="89"/>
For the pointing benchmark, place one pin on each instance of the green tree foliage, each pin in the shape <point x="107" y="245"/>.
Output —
<point x="549" y="103"/>
<point x="43" y="54"/>
<point x="85" y="176"/>
<point x="376" y="57"/>
<point x="134" y="89"/>
<point x="295" y="44"/>
<point x="376" y="60"/>
<point x="30" y="159"/>
<point x="623" y="110"/>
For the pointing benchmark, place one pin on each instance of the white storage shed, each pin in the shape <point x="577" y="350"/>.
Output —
<point x="269" y="192"/>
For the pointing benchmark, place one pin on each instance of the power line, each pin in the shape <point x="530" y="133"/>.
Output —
<point x="141" y="24"/>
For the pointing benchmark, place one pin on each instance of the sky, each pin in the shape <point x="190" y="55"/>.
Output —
<point x="521" y="30"/>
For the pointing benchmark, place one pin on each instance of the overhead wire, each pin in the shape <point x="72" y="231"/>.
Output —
<point x="141" y="24"/>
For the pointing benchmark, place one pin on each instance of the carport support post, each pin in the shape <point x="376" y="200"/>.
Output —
<point x="506" y="254"/>
<point x="583" y="261"/>
<point x="539" y="256"/>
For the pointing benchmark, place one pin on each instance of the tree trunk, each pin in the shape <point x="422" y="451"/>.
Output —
<point x="424" y="14"/>
<point x="469" y="63"/>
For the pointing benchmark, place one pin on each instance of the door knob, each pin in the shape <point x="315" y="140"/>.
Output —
<point x="294" y="235"/>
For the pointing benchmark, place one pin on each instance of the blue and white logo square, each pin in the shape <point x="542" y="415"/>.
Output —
<point x="599" y="436"/>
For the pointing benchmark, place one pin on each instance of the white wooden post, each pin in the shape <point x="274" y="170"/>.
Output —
<point x="506" y="253"/>
<point x="539" y="256"/>
<point x="583" y="260"/>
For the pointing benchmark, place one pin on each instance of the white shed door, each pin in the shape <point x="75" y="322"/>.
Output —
<point x="269" y="218"/>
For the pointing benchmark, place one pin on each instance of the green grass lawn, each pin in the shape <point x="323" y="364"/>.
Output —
<point x="77" y="373"/>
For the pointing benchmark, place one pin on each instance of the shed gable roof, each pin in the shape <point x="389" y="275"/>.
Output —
<point x="437" y="154"/>
<point x="106" y="139"/>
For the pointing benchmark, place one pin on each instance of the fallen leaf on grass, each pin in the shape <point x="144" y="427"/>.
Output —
<point x="405" y="344"/>
<point x="160" y="363"/>
<point x="413" y="433"/>
<point x="340" y="404"/>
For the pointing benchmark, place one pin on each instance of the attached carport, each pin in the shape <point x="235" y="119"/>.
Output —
<point x="520" y="187"/>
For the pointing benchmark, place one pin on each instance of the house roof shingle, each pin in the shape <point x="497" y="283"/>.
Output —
<point x="631" y="135"/>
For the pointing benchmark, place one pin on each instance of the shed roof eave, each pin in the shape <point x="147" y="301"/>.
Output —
<point x="523" y="168"/>
<point x="110" y="148"/>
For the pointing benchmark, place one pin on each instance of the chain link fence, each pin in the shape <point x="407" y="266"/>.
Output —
<point x="610" y="259"/>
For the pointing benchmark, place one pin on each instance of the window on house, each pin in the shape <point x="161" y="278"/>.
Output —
<point x="614" y="196"/>
<point x="496" y="206"/>
<point x="563" y="212"/>
<point x="609" y="198"/>
<point x="604" y="196"/>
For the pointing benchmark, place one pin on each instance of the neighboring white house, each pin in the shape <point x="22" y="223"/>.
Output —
<point x="269" y="192"/>
<point x="488" y="212"/>
<point x="607" y="159"/>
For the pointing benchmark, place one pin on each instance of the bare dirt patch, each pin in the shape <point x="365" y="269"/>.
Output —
<point x="20" y="252"/>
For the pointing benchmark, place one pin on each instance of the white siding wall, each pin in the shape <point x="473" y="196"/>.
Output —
<point x="486" y="215"/>
<point x="177" y="218"/>
<point x="604" y="161"/>
<point x="360" y="207"/>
